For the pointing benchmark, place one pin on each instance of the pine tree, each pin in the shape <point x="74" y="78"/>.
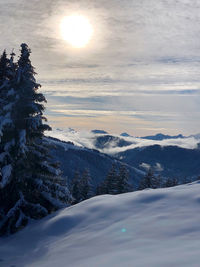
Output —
<point x="186" y="180"/>
<point x="114" y="183"/>
<point x="75" y="188"/>
<point x="149" y="181"/>
<point x="102" y="188"/>
<point x="3" y="68"/>
<point x="122" y="184"/>
<point x="111" y="182"/>
<point x="7" y="100"/>
<point x="30" y="184"/>
<point x="170" y="182"/>
<point x="85" y="185"/>
<point x="99" y="190"/>
<point x="159" y="181"/>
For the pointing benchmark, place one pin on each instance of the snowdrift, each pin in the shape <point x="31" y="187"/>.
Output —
<point x="148" y="228"/>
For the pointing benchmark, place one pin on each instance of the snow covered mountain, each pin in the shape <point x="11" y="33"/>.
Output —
<point x="179" y="157"/>
<point x="196" y="136"/>
<point x="161" y="137"/>
<point x="125" y="134"/>
<point x="99" y="132"/>
<point x="75" y="158"/>
<point x="174" y="161"/>
<point x="146" y="228"/>
<point x="103" y="142"/>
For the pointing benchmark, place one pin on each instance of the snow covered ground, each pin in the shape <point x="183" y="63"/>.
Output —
<point x="148" y="228"/>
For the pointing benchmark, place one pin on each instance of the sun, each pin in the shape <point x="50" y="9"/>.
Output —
<point x="76" y="30"/>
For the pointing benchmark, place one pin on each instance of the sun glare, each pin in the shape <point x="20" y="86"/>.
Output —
<point x="76" y="30"/>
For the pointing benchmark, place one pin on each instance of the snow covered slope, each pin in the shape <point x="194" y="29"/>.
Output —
<point x="148" y="228"/>
<point x="73" y="158"/>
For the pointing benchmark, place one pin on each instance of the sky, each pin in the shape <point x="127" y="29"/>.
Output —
<point x="140" y="72"/>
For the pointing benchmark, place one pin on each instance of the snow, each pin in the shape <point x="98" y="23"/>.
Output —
<point x="79" y="139"/>
<point x="21" y="217"/>
<point x="8" y="145"/>
<point x="22" y="141"/>
<point x="35" y="121"/>
<point x="11" y="92"/>
<point x="2" y="156"/>
<point x="6" y="173"/>
<point x="19" y="73"/>
<point x="3" y="122"/>
<point x="5" y="84"/>
<point x="56" y="202"/>
<point x="146" y="228"/>
<point x="8" y="107"/>
<point x="16" y="207"/>
<point x="51" y="169"/>
<point x="64" y="144"/>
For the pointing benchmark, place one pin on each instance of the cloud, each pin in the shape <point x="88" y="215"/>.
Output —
<point x="80" y="66"/>
<point x="143" y="58"/>
<point x="158" y="167"/>
<point x="145" y="166"/>
<point x="88" y="139"/>
<point x="188" y="143"/>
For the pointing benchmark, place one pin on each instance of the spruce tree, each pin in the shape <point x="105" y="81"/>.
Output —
<point x="186" y="180"/>
<point x="75" y="188"/>
<point x="170" y="182"/>
<point x="30" y="184"/>
<point x="3" y="68"/>
<point x="98" y="190"/>
<point x="149" y="181"/>
<point x="111" y="182"/>
<point x="159" y="181"/>
<point x="102" y="188"/>
<point x="122" y="184"/>
<point x="85" y="185"/>
<point x="4" y="85"/>
<point x="7" y="101"/>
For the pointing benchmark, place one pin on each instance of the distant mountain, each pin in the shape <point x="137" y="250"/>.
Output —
<point x="160" y="137"/>
<point x="196" y="136"/>
<point x="74" y="158"/>
<point x="169" y="161"/>
<point x="175" y="161"/>
<point x="107" y="141"/>
<point x="99" y="132"/>
<point x="125" y="134"/>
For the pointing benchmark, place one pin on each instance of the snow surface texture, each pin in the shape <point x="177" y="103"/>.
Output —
<point x="147" y="228"/>
<point x="87" y="139"/>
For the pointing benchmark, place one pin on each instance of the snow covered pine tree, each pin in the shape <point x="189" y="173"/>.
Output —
<point x="81" y="187"/>
<point x="149" y="181"/>
<point x="31" y="185"/>
<point x="86" y="186"/>
<point x="122" y="184"/>
<point x="75" y="188"/>
<point x="110" y="184"/>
